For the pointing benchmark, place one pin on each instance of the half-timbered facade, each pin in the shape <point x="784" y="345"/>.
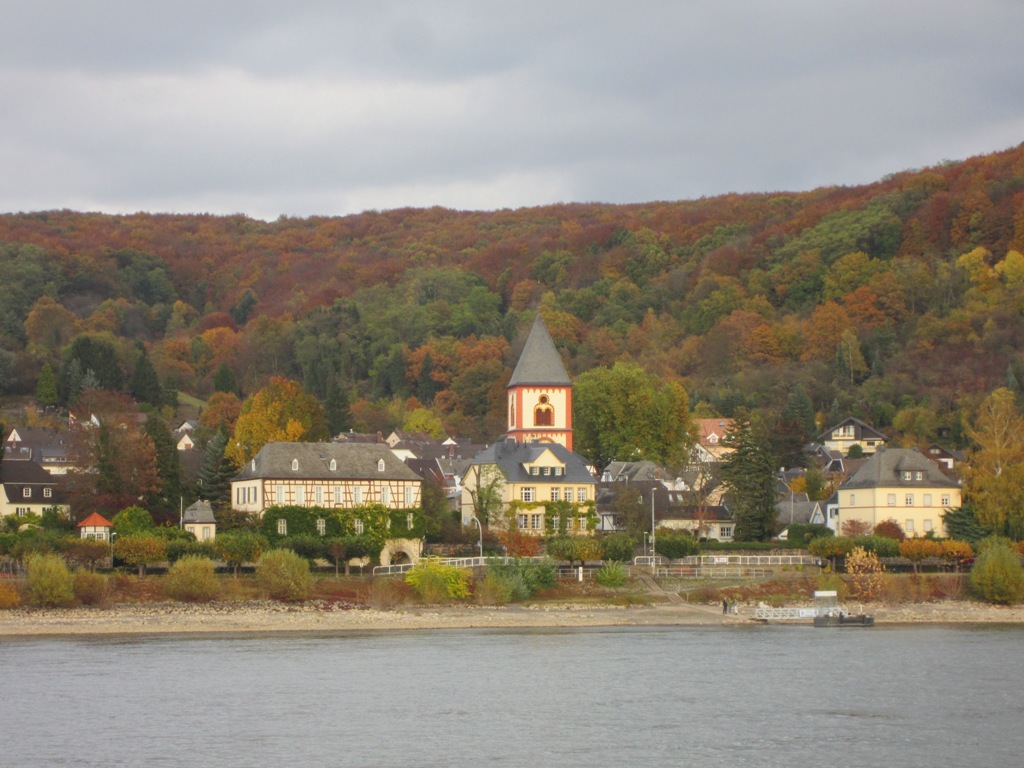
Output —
<point x="330" y="475"/>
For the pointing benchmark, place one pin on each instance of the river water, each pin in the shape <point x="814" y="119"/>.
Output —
<point x="722" y="696"/>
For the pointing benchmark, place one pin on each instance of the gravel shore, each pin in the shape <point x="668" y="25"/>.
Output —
<point x="262" y="617"/>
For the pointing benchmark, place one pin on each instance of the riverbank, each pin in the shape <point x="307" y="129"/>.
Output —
<point x="263" y="616"/>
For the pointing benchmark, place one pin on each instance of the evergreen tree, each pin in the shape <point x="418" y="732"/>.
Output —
<point x="224" y="380"/>
<point x="749" y="470"/>
<point x="46" y="387"/>
<point x="336" y="410"/>
<point x="168" y="467"/>
<point x="426" y="387"/>
<point x="145" y="386"/>
<point x="216" y="473"/>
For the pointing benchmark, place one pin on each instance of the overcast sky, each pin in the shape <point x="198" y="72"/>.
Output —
<point x="334" y="107"/>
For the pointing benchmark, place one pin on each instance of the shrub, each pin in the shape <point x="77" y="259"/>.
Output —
<point x="192" y="580"/>
<point x="890" y="529"/>
<point x="865" y="572"/>
<point x="49" y="582"/>
<point x="9" y="597"/>
<point x="508" y="581"/>
<point x="284" y="575"/>
<point x="496" y="589"/>
<point x="675" y="546"/>
<point x="878" y="545"/>
<point x="800" y="534"/>
<point x="998" y="576"/>
<point x="619" y="546"/>
<point x="436" y="583"/>
<point x="91" y="588"/>
<point x="916" y="550"/>
<point x="305" y="545"/>
<point x="612" y="574"/>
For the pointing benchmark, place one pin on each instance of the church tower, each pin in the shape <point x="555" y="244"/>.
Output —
<point x="540" y="393"/>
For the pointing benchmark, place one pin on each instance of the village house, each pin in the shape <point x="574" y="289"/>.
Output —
<point x="28" y="488"/>
<point x="331" y="475"/>
<point x="95" y="526"/>
<point x="898" y="484"/>
<point x="850" y="432"/>
<point x="198" y="519"/>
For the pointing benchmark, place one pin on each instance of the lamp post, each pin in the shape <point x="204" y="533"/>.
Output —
<point x="113" y="536"/>
<point x="653" y="552"/>
<point x="477" y="521"/>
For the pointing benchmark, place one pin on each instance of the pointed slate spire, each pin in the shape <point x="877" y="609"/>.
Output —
<point x="540" y="362"/>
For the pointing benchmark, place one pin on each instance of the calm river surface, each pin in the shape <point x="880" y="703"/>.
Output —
<point x="724" y="696"/>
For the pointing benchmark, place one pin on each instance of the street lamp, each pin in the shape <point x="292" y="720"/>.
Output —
<point x="113" y="536"/>
<point x="477" y="521"/>
<point x="653" y="552"/>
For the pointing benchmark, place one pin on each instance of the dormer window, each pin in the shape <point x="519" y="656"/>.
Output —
<point x="380" y="465"/>
<point x="295" y="465"/>
<point x="535" y="470"/>
<point x="334" y="465"/>
<point x="906" y="475"/>
<point x="253" y="465"/>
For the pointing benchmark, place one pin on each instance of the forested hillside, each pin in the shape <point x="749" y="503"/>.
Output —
<point x="899" y="302"/>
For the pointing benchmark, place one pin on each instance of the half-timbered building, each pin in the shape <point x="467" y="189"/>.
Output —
<point x="329" y="475"/>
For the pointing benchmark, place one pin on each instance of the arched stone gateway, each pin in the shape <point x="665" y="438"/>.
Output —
<point x="401" y="551"/>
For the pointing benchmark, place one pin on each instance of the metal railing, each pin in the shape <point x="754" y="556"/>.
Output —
<point x="718" y="572"/>
<point x="458" y="562"/>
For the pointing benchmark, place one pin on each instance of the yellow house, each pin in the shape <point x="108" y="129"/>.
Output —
<point x="850" y="432"/>
<point x="902" y="485"/>
<point x="530" y="473"/>
<point x="199" y="520"/>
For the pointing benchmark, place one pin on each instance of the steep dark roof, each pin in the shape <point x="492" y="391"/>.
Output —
<point x="200" y="512"/>
<point x="18" y="475"/>
<point x="354" y="461"/>
<point x="861" y="431"/>
<point x="883" y="471"/>
<point x="510" y="456"/>
<point x="540" y="362"/>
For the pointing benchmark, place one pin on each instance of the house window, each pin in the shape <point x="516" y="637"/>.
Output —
<point x="909" y="500"/>
<point x="909" y="527"/>
<point x="380" y="465"/>
<point x="891" y="499"/>
<point x="408" y="495"/>
<point x="527" y="494"/>
<point x="521" y="521"/>
<point x="927" y="526"/>
<point x="282" y="526"/>
<point x="279" y="494"/>
<point x="582" y="523"/>
<point x="409" y="520"/>
<point x="945" y="500"/>
<point x="581" y="495"/>
<point x="535" y="522"/>
<point x="385" y="495"/>
<point x="534" y="471"/>
<point x="927" y="500"/>
<point x="559" y="471"/>
<point x="295" y="465"/>
<point x="919" y="475"/>
<point x="26" y="493"/>
<point x="511" y="412"/>
<point x="556" y="494"/>
<point x="252" y="495"/>
<point x="725" y="532"/>
<point x="334" y="465"/>
<point x="47" y="493"/>
<point x="556" y="523"/>
<point x="359" y="527"/>
<point x="300" y="495"/>
<point x="853" y="499"/>
<point x="321" y="526"/>
<point x="206" y="532"/>
<point x="357" y="494"/>
<point x="568" y="494"/>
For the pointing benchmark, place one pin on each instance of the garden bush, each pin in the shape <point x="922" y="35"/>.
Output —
<point x="284" y="575"/>
<point x="675" y="546"/>
<point x="534" y="575"/>
<point x="498" y="589"/>
<point x="91" y="588"/>
<point x="998" y="576"/>
<point x="437" y="583"/>
<point x="9" y="597"/>
<point x="48" y="581"/>
<point x="192" y="580"/>
<point x="619" y="546"/>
